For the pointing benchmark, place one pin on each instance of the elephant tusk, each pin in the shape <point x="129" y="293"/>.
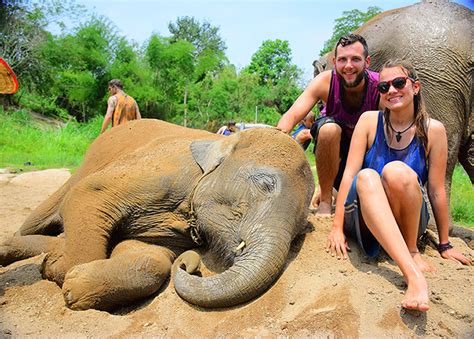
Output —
<point x="242" y="245"/>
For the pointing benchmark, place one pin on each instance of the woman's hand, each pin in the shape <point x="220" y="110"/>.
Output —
<point x="456" y="256"/>
<point x="337" y="244"/>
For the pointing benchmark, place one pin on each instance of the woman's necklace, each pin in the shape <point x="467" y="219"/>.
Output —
<point x="398" y="135"/>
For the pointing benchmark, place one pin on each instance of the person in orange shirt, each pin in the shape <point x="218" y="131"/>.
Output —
<point x="121" y="107"/>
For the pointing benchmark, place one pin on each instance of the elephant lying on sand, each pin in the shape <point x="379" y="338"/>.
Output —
<point x="149" y="191"/>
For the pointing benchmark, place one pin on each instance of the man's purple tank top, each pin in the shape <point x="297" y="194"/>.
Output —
<point x="335" y="108"/>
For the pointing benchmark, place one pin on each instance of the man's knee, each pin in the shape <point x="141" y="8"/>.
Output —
<point x="330" y="132"/>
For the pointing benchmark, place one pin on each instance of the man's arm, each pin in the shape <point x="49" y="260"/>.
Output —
<point x="318" y="89"/>
<point x="139" y="116"/>
<point x="108" y="115"/>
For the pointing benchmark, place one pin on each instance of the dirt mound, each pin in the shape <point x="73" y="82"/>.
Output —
<point x="315" y="296"/>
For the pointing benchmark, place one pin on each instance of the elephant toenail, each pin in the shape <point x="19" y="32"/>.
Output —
<point x="68" y="297"/>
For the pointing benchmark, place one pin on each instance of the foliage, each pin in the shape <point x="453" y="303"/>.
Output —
<point x="23" y="32"/>
<point x="204" y="37"/>
<point x="462" y="196"/>
<point x="277" y="76"/>
<point x="183" y="78"/>
<point x="272" y="62"/>
<point x="25" y="144"/>
<point x="348" y="23"/>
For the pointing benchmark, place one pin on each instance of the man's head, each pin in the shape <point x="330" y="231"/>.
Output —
<point x="351" y="58"/>
<point x="115" y="85"/>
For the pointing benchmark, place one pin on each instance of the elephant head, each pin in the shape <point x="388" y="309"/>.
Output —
<point x="250" y="203"/>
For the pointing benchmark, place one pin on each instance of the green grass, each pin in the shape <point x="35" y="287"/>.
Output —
<point x="462" y="198"/>
<point x="462" y="193"/>
<point x="26" y="144"/>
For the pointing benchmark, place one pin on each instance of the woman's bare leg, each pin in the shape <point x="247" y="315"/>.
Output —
<point x="379" y="218"/>
<point x="405" y="198"/>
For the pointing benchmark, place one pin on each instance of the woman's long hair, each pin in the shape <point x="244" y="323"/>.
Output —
<point x="421" y="115"/>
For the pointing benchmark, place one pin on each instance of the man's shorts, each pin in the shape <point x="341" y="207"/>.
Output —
<point x="355" y="227"/>
<point x="343" y="148"/>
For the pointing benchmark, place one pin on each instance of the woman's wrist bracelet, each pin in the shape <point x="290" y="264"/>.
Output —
<point x="444" y="247"/>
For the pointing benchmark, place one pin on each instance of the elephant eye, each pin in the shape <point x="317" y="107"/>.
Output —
<point x="264" y="182"/>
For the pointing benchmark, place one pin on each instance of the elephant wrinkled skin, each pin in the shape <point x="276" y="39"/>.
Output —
<point x="147" y="193"/>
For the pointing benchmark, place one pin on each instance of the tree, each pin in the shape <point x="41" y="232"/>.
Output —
<point x="202" y="36"/>
<point x="81" y="63"/>
<point x="23" y="32"/>
<point x="272" y="62"/>
<point x="348" y="23"/>
<point x="278" y="77"/>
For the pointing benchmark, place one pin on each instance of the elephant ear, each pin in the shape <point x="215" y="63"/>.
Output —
<point x="210" y="154"/>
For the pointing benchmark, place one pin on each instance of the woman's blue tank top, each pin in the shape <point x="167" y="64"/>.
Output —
<point x="381" y="154"/>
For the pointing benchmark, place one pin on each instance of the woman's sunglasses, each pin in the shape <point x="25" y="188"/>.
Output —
<point x="398" y="83"/>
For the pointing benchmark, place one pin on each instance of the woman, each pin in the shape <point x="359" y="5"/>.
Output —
<point x="393" y="154"/>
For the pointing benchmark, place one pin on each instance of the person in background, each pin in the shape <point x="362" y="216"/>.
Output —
<point x="121" y="107"/>
<point x="228" y="129"/>
<point x="347" y="91"/>
<point x="302" y="133"/>
<point x="393" y="154"/>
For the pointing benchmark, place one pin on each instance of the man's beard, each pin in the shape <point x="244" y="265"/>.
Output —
<point x="354" y="83"/>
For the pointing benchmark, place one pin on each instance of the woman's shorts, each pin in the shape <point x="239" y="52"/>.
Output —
<point x="355" y="227"/>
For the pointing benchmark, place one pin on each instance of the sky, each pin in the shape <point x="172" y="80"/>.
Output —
<point x="243" y="24"/>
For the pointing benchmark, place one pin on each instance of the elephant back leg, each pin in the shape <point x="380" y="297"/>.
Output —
<point x="45" y="219"/>
<point x="19" y="248"/>
<point x="135" y="270"/>
<point x="466" y="157"/>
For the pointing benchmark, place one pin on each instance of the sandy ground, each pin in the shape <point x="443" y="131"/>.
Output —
<point x="315" y="296"/>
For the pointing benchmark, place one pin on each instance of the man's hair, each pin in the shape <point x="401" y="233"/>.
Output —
<point x="116" y="83"/>
<point x="350" y="39"/>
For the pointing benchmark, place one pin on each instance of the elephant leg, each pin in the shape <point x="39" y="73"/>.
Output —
<point x="45" y="219"/>
<point x="466" y="157"/>
<point x="23" y="247"/>
<point x="135" y="270"/>
<point x="87" y="231"/>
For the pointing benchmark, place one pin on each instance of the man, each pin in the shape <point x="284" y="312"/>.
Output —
<point x="120" y="107"/>
<point x="228" y="129"/>
<point x="347" y="91"/>
<point x="302" y="133"/>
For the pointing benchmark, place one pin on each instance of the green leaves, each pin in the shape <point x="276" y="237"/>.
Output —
<point x="183" y="77"/>
<point x="348" y="23"/>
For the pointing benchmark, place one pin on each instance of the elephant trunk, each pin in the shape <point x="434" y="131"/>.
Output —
<point x="253" y="271"/>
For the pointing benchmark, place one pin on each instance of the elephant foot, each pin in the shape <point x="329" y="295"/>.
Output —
<point x="54" y="267"/>
<point x="8" y="254"/>
<point x="134" y="271"/>
<point x="81" y="289"/>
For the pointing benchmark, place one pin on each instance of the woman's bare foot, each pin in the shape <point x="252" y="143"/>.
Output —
<point x="423" y="265"/>
<point x="416" y="296"/>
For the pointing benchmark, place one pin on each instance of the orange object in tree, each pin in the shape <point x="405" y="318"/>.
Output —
<point x="8" y="81"/>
